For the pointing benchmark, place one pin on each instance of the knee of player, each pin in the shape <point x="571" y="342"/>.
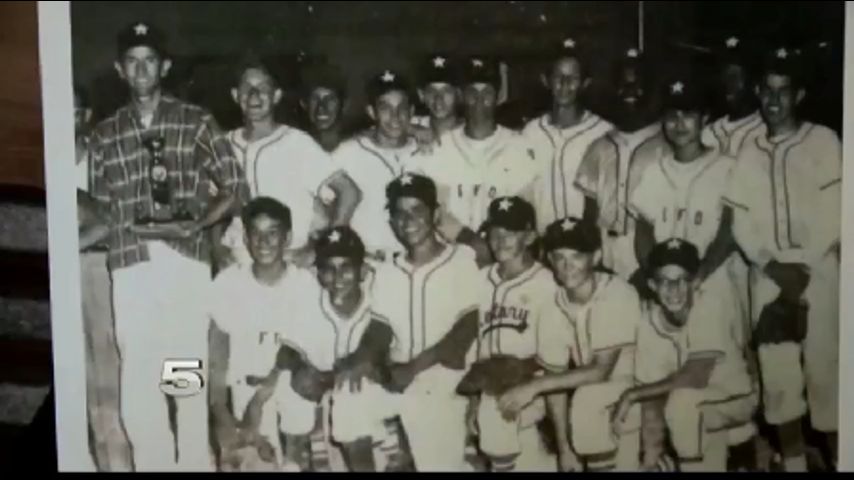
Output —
<point x="682" y="402"/>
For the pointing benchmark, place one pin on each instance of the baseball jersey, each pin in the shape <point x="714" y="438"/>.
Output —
<point x="730" y="136"/>
<point x="712" y="329"/>
<point x="683" y="200"/>
<point x="610" y="169"/>
<point x="607" y="320"/>
<point x="258" y="318"/>
<point x="470" y="173"/>
<point x="287" y="165"/>
<point x="423" y="303"/>
<point x="786" y="195"/>
<point x="560" y="151"/>
<point x="372" y="168"/>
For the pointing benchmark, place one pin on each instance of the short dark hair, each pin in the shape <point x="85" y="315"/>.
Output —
<point x="252" y="61"/>
<point x="266" y="206"/>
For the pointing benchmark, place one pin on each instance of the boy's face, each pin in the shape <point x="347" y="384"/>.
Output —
<point x="734" y="84"/>
<point x="266" y="239"/>
<point x="480" y="101"/>
<point x="324" y="108"/>
<point x="672" y="287"/>
<point x="566" y="81"/>
<point x="440" y="99"/>
<point x="339" y="275"/>
<point x="630" y="89"/>
<point x="682" y="127"/>
<point x="142" y="68"/>
<point x="256" y="95"/>
<point x="412" y="221"/>
<point x="572" y="268"/>
<point x="392" y="112"/>
<point x="778" y="98"/>
<point x="508" y="244"/>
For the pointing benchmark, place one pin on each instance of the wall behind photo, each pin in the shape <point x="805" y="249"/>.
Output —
<point x="363" y="38"/>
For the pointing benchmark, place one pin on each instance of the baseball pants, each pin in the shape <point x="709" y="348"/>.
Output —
<point x="699" y="421"/>
<point x="618" y="254"/>
<point x="784" y="375"/>
<point x="159" y="316"/>
<point x="241" y="394"/>
<point x="590" y="426"/>
<point x="513" y="445"/>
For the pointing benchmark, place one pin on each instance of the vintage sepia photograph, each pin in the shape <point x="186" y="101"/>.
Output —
<point x="434" y="236"/>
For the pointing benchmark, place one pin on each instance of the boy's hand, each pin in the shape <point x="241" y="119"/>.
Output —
<point x="402" y="375"/>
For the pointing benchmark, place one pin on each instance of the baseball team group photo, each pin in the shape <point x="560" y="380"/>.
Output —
<point x="471" y="236"/>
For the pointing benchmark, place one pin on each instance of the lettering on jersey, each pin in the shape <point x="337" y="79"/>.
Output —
<point x="267" y="336"/>
<point x="698" y="218"/>
<point x="680" y="215"/>
<point x="462" y="190"/>
<point x="500" y="316"/>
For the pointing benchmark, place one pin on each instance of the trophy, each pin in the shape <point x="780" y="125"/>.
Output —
<point x="167" y="207"/>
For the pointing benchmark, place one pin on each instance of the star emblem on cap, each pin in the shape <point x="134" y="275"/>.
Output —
<point x="677" y="87"/>
<point x="782" y="53"/>
<point x="567" y="224"/>
<point x="439" y="62"/>
<point x="477" y="63"/>
<point x="732" y="42"/>
<point x="674" y="244"/>
<point x="569" y="43"/>
<point x="406" y="180"/>
<point x="632" y="53"/>
<point x="334" y="236"/>
<point x="505" y="204"/>
<point x="140" y="29"/>
<point x="387" y="77"/>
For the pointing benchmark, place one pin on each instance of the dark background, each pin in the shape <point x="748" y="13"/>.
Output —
<point x="365" y="37"/>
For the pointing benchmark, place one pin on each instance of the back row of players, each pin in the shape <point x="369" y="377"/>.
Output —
<point x="561" y="217"/>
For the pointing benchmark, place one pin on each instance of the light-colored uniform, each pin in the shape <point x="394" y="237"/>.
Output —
<point x="372" y="168"/>
<point x="607" y="320"/>
<point x="289" y="166"/>
<point x="701" y="422"/>
<point x="608" y="175"/>
<point x="786" y="197"/>
<point x="470" y="173"/>
<point x="258" y="319"/>
<point x="422" y="304"/>
<point x="511" y="323"/>
<point x="560" y="151"/>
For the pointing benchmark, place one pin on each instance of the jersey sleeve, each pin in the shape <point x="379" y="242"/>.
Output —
<point x="616" y="318"/>
<point x="587" y="176"/>
<point x="829" y="194"/>
<point x="555" y="336"/>
<point x="650" y="362"/>
<point x="643" y="203"/>
<point x="469" y="276"/>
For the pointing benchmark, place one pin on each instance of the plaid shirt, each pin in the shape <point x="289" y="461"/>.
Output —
<point x="197" y="154"/>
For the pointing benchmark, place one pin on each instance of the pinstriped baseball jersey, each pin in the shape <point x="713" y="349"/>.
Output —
<point x="423" y="303"/>
<point x="372" y="167"/>
<point x="608" y="319"/>
<point x="511" y="310"/>
<point x="560" y="151"/>
<point x="471" y="173"/>
<point x="729" y="137"/>
<point x="785" y="193"/>
<point x="610" y="169"/>
<point x="683" y="200"/>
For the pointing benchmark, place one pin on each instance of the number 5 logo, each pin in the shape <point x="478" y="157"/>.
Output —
<point x="182" y="377"/>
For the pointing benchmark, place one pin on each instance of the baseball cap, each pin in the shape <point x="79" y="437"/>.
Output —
<point x="512" y="213"/>
<point x="140" y="34"/>
<point x="783" y="60"/>
<point x="674" y="252"/>
<point x="572" y="233"/>
<point x="324" y="75"/>
<point x="439" y="68"/>
<point x="479" y="69"/>
<point x="386" y="81"/>
<point x="413" y="186"/>
<point x="339" y="241"/>
<point x="734" y="51"/>
<point x="684" y="92"/>
<point x="567" y="47"/>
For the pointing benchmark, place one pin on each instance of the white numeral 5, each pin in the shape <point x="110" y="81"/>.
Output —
<point x="182" y="377"/>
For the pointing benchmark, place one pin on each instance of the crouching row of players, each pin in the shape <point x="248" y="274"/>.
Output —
<point x="423" y="362"/>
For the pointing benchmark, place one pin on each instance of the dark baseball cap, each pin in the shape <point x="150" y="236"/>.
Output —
<point x="784" y="60"/>
<point x="439" y="68"/>
<point x="141" y="34"/>
<point x="480" y="69"/>
<point x="512" y="213"/>
<point x="733" y="50"/>
<point x="413" y="186"/>
<point x="340" y="241"/>
<point x="574" y="234"/>
<point x="387" y="81"/>
<point x="684" y="92"/>
<point x="567" y="47"/>
<point x="674" y="251"/>
<point x="322" y="75"/>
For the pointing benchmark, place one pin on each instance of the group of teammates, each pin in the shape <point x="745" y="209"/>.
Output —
<point x="372" y="288"/>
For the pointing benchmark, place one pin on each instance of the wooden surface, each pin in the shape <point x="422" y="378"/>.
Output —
<point x="21" y="152"/>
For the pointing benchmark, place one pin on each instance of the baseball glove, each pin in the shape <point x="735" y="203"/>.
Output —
<point x="781" y="321"/>
<point x="496" y="375"/>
